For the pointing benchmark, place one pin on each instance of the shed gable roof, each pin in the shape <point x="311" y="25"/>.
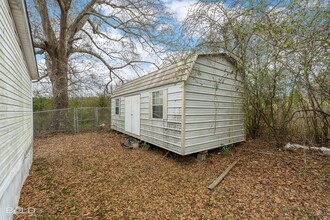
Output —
<point x="171" y="74"/>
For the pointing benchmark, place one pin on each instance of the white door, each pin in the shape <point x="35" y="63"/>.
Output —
<point x="132" y="114"/>
<point x="136" y="115"/>
<point x="128" y="114"/>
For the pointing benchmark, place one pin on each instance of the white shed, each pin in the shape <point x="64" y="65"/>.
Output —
<point x="17" y="69"/>
<point x="188" y="107"/>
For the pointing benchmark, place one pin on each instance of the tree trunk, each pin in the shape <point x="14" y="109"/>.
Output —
<point x="59" y="80"/>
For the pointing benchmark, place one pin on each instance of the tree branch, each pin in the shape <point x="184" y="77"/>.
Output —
<point x="40" y="78"/>
<point x="81" y="19"/>
<point x="41" y="7"/>
<point x="101" y="59"/>
<point x="38" y="52"/>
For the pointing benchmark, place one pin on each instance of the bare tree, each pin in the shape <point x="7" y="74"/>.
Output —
<point x="110" y="31"/>
<point x="282" y="51"/>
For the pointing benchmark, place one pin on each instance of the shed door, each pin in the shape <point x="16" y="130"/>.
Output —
<point x="132" y="114"/>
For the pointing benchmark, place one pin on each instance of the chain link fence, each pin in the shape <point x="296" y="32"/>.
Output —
<point x="71" y="120"/>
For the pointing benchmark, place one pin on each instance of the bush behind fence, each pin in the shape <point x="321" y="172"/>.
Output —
<point x="71" y="120"/>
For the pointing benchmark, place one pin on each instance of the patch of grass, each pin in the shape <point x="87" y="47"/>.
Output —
<point x="308" y="213"/>
<point x="66" y="191"/>
<point x="50" y="184"/>
<point x="101" y="214"/>
<point x="45" y="216"/>
<point x="292" y="209"/>
<point x="145" y="145"/>
<point x="225" y="149"/>
<point x="49" y="178"/>
<point x="41" y="164"/>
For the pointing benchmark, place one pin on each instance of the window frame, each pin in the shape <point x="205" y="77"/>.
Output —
<point x="161" y="96"/>
<point x="117" y="113"/>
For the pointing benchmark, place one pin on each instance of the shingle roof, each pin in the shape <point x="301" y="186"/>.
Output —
<point x="174" y="73"/>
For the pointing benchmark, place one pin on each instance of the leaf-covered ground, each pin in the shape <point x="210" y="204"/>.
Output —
<point x="90" y="176"/>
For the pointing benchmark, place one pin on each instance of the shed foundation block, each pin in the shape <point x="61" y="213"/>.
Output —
<point x="201" y="156"/>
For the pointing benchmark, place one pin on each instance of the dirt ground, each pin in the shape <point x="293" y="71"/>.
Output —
<point x="90" y="176"/>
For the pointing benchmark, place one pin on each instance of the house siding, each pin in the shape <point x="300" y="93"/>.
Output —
<point x="165" y="133"/>
<point x="16" y="118"/>
<point x="118" y="121"/>
<point x="214" y="105"/>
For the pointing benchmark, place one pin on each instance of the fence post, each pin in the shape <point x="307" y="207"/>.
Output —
<point x="77" y="121"/>
<point x="74" y="120"/>
<point x="97" y="117"/>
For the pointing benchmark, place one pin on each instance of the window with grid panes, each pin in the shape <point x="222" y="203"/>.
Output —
<point x="157" y="104"/>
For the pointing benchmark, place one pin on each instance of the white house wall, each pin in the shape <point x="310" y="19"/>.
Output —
<point x="214" y="105"/>
<point x="16" y="130"/>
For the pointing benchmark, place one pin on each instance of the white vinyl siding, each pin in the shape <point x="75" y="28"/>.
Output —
<point x="214" y="106"/>
<point x="165" y="132"/>
<point x="16" y="117"/>
<point x="202" y="110"/>
<point x="118" y="121"/>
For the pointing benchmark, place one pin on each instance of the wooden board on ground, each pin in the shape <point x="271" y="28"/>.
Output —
<point x="222" y="176"/>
